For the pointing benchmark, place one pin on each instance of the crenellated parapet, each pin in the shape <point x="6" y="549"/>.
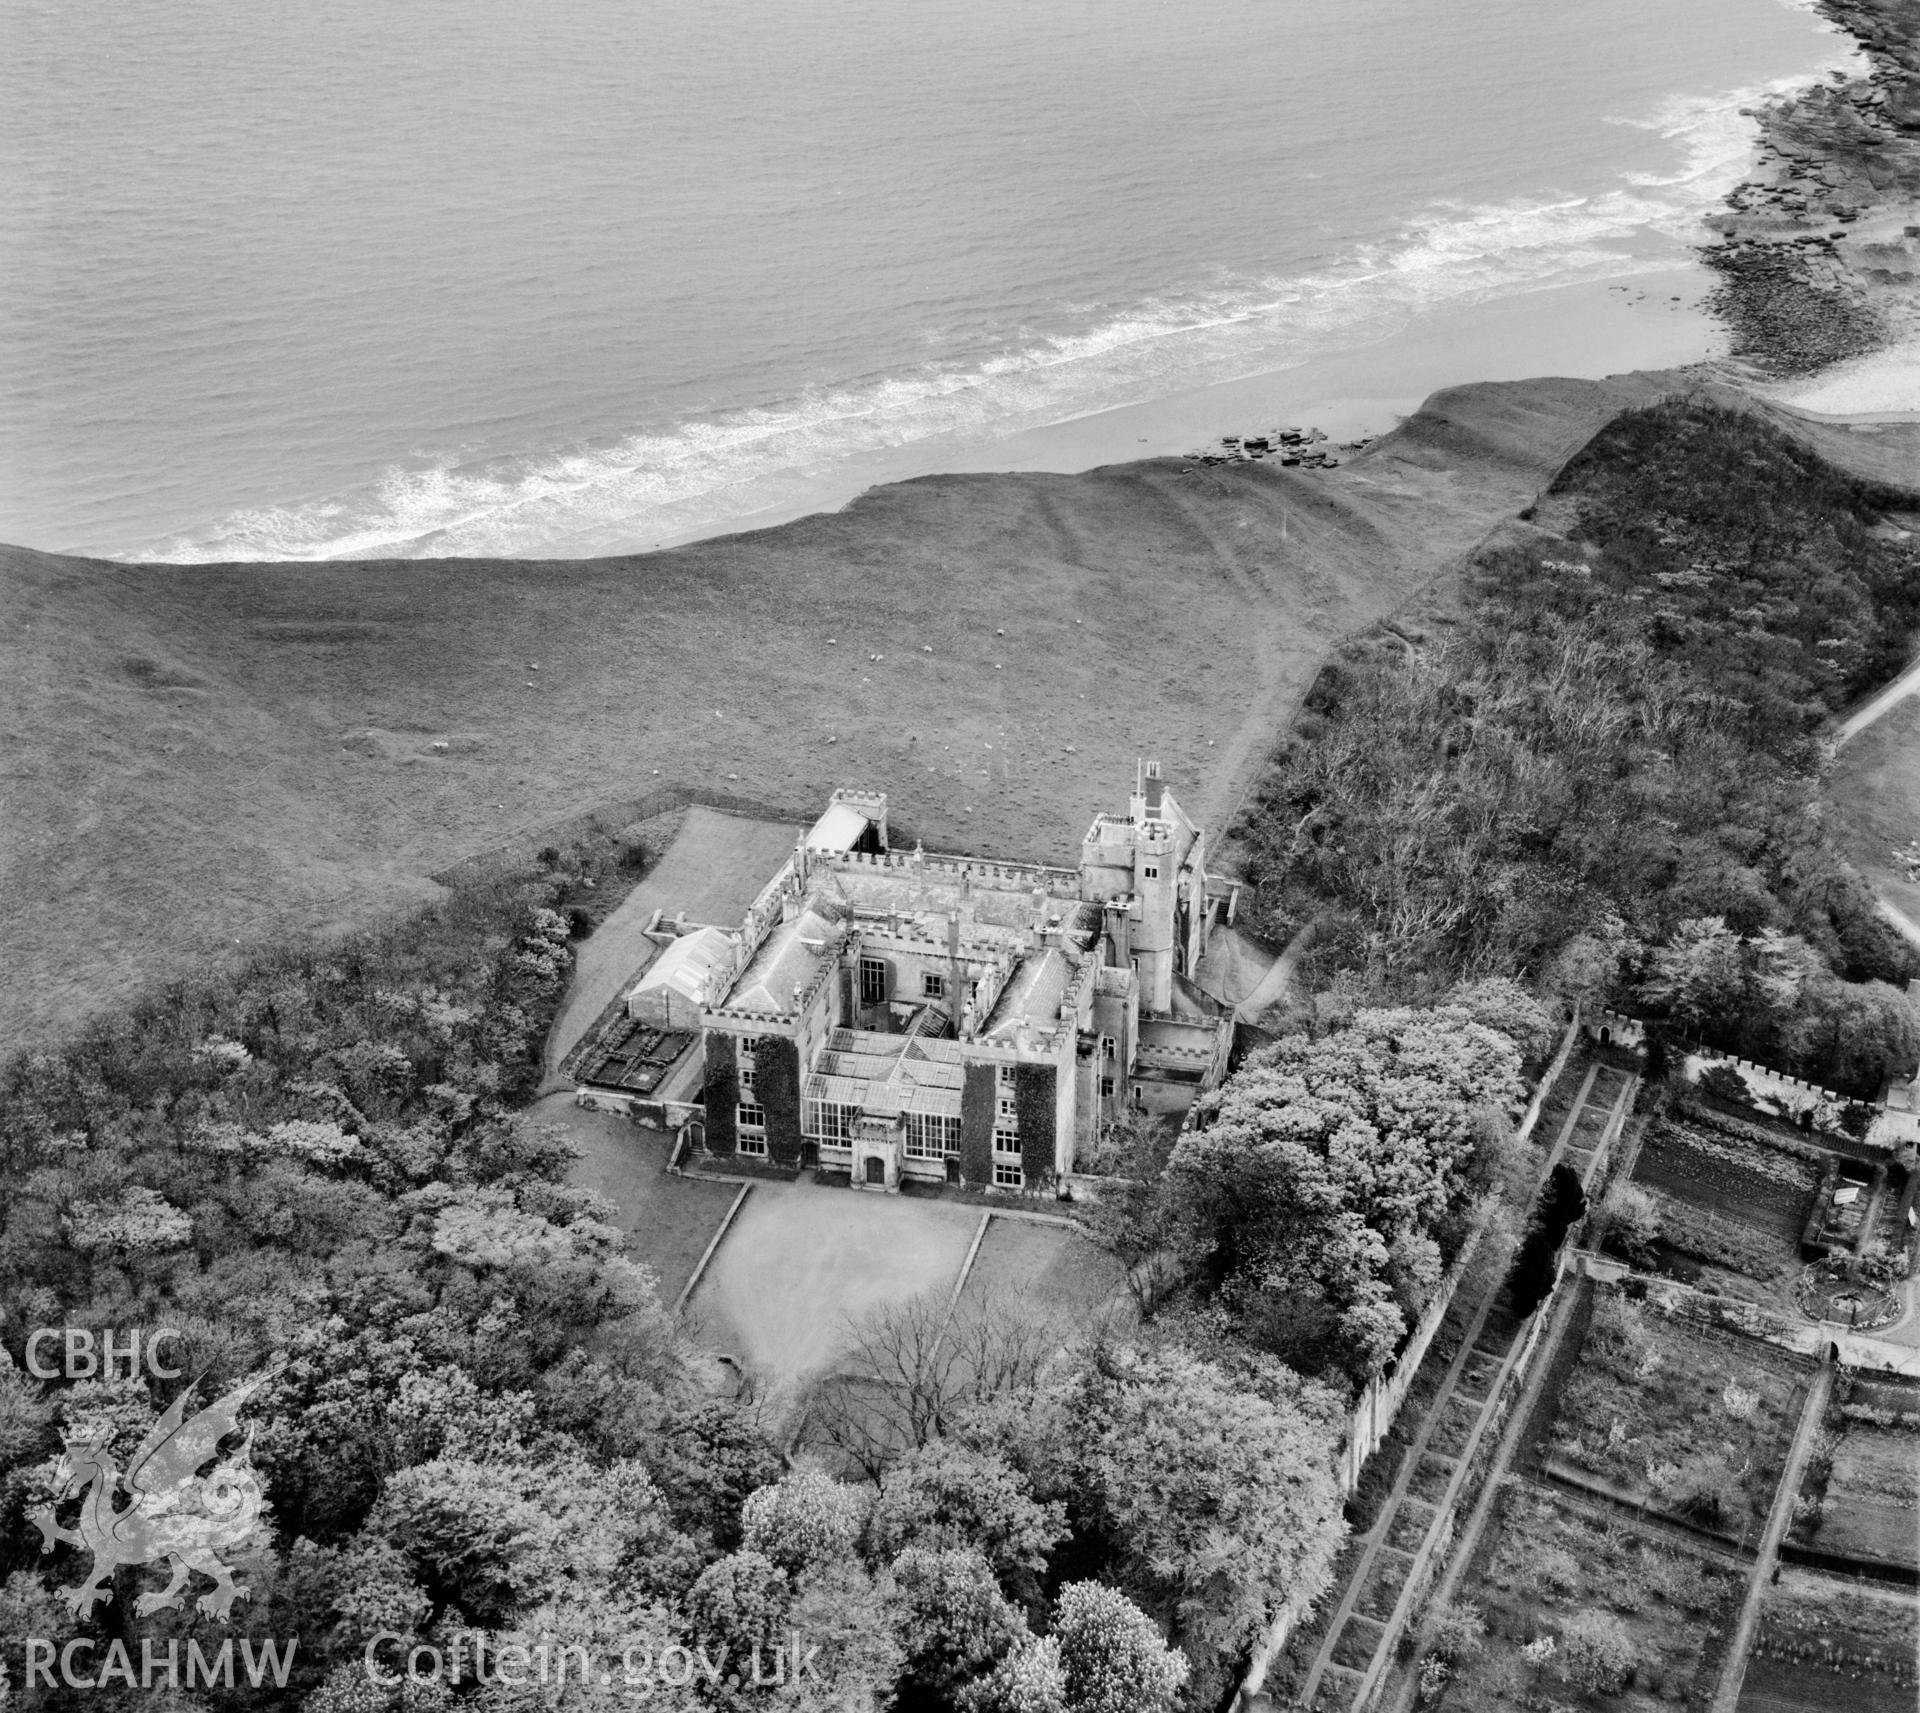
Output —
<point x="952" y="870"/>
<point x="1164" y="1055"/>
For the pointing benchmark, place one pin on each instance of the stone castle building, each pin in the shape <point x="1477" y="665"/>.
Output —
<point x="896" y="1014"/>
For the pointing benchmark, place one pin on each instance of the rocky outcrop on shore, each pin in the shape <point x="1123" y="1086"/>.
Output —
<point x="1819" y="256"/>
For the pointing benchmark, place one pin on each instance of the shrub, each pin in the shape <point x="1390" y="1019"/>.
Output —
<point x="743" y="1600"/>
<point x="955" y="1623"/>
<point x="1460" y="1633"/>
<point x="1111" y="1651"/>
<point x="1723" y="1082"/>
<point x="1738" y="1401"/>
<point x="1502" y="1003"/>
<point x="1596" y="1653"/>
<point x="946" y="1494"/>
<point x="1628" y="1590"/>
<point x="1707" y="1490"/>
<point x="1630" y="1221"/>
<point x="1031" y="1679"/>
<point x="1555" y="1569"/>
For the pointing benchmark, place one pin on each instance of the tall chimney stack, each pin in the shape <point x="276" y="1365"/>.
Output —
<point x="956" y="992"/>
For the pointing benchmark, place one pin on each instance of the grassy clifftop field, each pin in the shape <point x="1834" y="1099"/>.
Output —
<point x="217" y="755"/>
<point x="1876" y="785"/>
<point x="209" y="757"/>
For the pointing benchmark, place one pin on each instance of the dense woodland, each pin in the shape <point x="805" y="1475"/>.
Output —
<point x="474" y="1415"/>
<point x="1606" y="775"/>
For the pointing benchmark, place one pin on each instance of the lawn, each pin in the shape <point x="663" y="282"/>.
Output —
<point x="203" y="760"/>
<point x="1037" y="1263"/>
<point x="1681" y="1419"/>
<point x="1875" y="786"/>
<point x="1828" y="1646"/>
<point x="1546" y="1561"/>
<point x="803" y="1262"/>
<point x="669" y="1219"/>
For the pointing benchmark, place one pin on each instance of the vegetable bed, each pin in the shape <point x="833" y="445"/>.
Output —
<point x="1766" y="1188"/>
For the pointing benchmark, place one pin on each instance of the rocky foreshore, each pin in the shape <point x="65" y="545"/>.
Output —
<point x="1819" y="257"/>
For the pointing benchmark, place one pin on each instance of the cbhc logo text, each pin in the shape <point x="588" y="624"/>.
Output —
<point x="87" y="1355"/>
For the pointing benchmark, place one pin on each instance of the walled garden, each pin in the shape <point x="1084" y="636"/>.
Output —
<point x="1857" y="1499"/>
<point x="1734" y="1170"/>
<point x="1567" y="1601"/>
<point x="1824" y="1644"/>
<point x="1727" y="1204"/>
<point x="1686" y="1420"/>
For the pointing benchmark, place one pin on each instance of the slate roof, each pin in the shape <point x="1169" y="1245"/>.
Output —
<point x="839" y="829"/>
<point x="788" y="958"/>
<point x="1033" y="993"/>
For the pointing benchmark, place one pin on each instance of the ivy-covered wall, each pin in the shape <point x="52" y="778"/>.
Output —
<point x="723" y="1094"/>
<point x="776" y="1079"/>
<point x="1035" y="1096"/>
<point x="976" y="1126"/>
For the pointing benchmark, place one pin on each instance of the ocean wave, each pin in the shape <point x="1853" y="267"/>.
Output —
<point x="681" y="481"/>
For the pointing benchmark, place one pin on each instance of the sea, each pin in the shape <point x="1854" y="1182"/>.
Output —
<point x="356" y="279"/>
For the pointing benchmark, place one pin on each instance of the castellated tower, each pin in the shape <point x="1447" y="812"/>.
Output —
<point x="1131" y="864"/>
<point x="1155" y="877"/>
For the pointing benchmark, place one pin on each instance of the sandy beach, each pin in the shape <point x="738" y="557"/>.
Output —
<point x="1806" y="289"/>
<point x="1884" y="383"/>
<point x="1655" y="320"/>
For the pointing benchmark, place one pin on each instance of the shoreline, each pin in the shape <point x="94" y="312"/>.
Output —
<point x="1588" y="330"/>
<point x="1606" y="306"/>
<point x="1818" y="249"/>
<point x="1804" y="289"/>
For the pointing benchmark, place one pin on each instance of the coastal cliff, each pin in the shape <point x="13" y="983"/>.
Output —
<point x="201" y="759"/>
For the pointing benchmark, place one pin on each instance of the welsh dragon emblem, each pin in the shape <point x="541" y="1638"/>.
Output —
<point x="174" y="1512"/>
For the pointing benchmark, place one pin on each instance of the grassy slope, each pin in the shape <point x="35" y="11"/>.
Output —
<point x="1875" y="785"/>
<point x="198" y="758"/>
<point x="220" y="754"/>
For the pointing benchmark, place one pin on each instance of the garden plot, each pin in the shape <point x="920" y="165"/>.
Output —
<point x="1565" y="1601"/>
<point x="1869" y="1507"/>
<point x="1683" y="1420"/>
<point x="1697" y="1162"/>
<point x="1857" y="1499"/>
<point x="1824" y="1645"/>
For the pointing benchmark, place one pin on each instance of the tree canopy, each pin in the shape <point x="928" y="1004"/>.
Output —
<point x="1334" y="1174"/>
<point x="1617" y="744"/>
